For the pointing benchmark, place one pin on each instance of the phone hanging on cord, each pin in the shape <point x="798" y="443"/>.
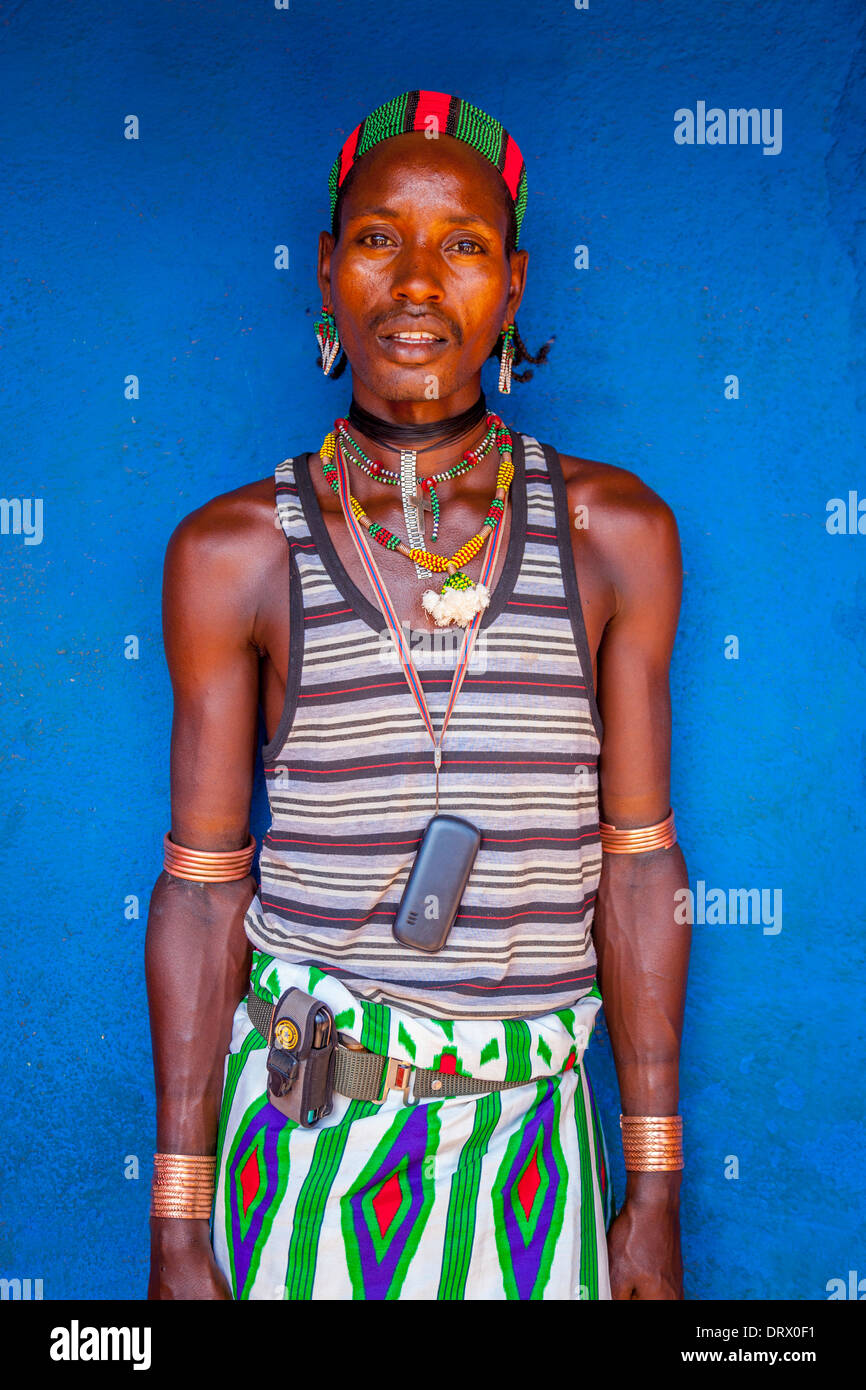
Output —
<point x="450" y="844"/>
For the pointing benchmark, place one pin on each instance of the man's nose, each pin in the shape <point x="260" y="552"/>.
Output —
<point x="416" y="277"/>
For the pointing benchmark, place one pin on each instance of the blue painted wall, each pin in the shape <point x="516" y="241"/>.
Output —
<point x="155" y="257"/>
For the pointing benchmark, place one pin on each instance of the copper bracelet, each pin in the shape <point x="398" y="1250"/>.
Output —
<point x="652" y="1143"/>
<point x="659" y="836"/>
<point x="183" y="1186"/>
<point x="207" y="865"/>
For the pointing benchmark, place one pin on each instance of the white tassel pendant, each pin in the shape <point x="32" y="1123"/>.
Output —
<point x="329" y="346"/>
<point x="458" y="602"/>
<point x="328" y="338"/>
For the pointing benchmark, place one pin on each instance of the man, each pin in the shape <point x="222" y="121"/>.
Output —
<point x="474" y="1168"/>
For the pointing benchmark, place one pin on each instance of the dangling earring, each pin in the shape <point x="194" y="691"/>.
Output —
<point x="328" y="338"/>
<point x="506" y="358"/>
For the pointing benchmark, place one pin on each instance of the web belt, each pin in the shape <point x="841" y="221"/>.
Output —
<point x="364" y="1075"/>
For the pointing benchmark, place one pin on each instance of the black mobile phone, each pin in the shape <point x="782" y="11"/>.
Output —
<point x="322" y="1029"/>
<point x="436" y="883"/>
<point x="321" y="1038"/>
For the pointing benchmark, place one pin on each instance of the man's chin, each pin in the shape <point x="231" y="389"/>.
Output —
<point x="417" y="383"/>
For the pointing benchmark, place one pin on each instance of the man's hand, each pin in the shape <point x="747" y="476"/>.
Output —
<point x="182" y="1263"/>
<point x="643" y="1247"/>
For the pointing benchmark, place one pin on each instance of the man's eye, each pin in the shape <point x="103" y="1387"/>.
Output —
<point x="466" y="246"/>
<point x="375" y="238"/>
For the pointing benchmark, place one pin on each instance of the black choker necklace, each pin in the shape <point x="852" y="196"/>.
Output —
<point x="400" y="436"/>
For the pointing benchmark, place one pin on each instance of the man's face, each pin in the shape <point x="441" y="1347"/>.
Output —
<point x="421" y="251"/>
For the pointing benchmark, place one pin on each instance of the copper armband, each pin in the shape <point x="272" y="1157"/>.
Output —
<point x="652" y="1143"/>
<point x="659" y="836"/>
<point x="183" y="1185"/>
<point x="205" y="865"/>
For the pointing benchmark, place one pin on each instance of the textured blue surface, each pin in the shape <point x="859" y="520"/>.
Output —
<point x="156" y="257"/>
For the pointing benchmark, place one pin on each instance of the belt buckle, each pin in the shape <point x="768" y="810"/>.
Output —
<point x="398" y="1077"/>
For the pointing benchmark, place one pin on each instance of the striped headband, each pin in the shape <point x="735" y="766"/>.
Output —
<point x="448" y="115"/>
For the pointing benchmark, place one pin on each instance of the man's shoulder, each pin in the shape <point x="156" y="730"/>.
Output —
<point x="225" y="527"/>
<point x="621" y="521"/>
<point x="623" y="507"/>
<point x="619" y="490"/>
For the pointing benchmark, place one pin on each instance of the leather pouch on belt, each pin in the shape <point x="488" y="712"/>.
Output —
<point x="302" y="1049"/>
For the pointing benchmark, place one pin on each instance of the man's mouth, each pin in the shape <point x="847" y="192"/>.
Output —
<point x="412" y="346"/>
<point x="403" y="337"/>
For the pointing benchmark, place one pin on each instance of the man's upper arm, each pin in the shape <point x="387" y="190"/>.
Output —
<point x="644" y="563"/>
<point x="208" y="615"/>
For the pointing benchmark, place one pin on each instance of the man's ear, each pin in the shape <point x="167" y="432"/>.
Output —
<point x="323" y="273"/>
<point x="519" y="266"/>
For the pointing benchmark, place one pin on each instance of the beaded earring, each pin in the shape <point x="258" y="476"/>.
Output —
<point x="506" y="358"/>
<point x="328" y="338"/>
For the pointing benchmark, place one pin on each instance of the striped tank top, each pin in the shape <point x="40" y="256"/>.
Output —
<point x="351" y="781"/>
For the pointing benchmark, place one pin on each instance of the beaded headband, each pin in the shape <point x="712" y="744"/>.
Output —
<point x="449" y="116"/>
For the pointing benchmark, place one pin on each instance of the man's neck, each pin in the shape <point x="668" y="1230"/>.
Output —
<point x="417" y="412"/>
<point x="431" y="457"/>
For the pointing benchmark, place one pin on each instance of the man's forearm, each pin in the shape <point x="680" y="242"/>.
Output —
<point x="643" y="963"/>
<point x="197" y="965"/>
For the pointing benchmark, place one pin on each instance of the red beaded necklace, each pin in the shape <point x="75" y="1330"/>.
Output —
<point x="382" y="474"/>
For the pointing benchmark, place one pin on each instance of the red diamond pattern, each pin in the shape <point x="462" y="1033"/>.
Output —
<point x="528" y="1185"/>
<point x="386" y="1202"/>
<point x="250" y="1179"/>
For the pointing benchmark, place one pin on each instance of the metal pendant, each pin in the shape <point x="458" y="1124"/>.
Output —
<point x="413" y="506"/>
